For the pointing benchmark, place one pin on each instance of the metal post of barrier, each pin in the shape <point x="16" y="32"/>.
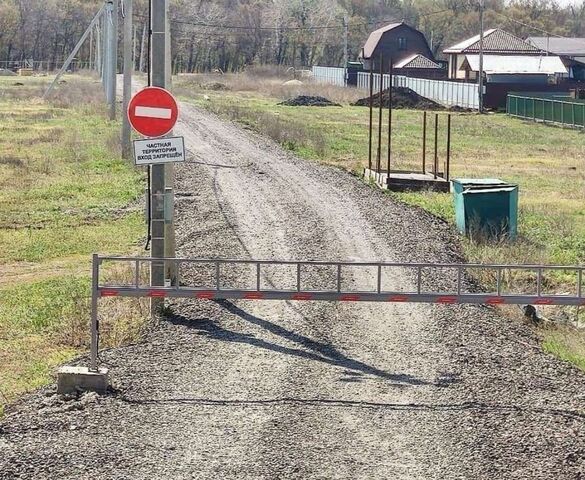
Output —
<point x="71" y="379"/>
<point x="95" y="266"/>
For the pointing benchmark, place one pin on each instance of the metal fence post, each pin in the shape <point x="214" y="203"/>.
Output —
<point x="424" y="142"/>
<point x="448" y="165"/>
<point x="436" y="159"/>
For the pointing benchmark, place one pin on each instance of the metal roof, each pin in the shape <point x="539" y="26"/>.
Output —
<point x="416" y="61"/>
<point x="509" y="64"/>
<point x="374" y="38"/>
<point x="560" y="46"/>
<point x="494" y="41"/>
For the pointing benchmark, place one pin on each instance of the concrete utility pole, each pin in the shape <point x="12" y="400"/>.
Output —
<point x="107" y="75"/>
<point x="90" y="66"/>
<point x="128" y="67"/>
<point x="480" y="79"/>
<point x="104" y="36"/>
<point x="161" y="176"/>
<point x="113" y="57"/>
<point x="98" y="49"/>
<point x="345" y="52"/>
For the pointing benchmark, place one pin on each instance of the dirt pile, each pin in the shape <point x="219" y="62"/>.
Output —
<point x="402" y="97"/>
<point x="215" y="86"/>
<point x="309" y="101"/>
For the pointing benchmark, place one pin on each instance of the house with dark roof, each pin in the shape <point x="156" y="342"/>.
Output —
<point x="404" y="46"/>
<point x="570" y="50"/>
<point x="496" y="43"/>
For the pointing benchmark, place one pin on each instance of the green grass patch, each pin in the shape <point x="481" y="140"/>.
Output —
<point x="564" y="344"/>
<point x="65" y="193"/>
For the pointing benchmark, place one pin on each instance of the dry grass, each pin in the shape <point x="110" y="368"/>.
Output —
<point x="292" y="135"/>
<point x="269" y="86"/>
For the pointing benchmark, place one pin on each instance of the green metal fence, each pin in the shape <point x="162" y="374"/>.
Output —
<point x="570" y="112"/>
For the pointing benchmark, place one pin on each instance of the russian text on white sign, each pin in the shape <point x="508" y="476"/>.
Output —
<point x="159" y="150"/>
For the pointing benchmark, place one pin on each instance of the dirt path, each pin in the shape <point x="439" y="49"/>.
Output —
<point x="279" y="390"/>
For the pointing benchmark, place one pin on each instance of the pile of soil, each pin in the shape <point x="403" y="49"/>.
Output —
<point x="309" y="101"/>
<point x="402" y="97"/>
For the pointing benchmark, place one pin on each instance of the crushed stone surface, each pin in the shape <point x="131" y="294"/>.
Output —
<point x="323" y="390"/>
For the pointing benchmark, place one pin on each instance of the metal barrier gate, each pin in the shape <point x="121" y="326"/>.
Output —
<point x="534" y="289"/>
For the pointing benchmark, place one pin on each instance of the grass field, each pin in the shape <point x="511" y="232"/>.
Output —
<point x="547" y="163"/>
<point x="65" y="192"/>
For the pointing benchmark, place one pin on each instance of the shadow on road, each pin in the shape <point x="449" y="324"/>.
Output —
<point x="312" y="349"/>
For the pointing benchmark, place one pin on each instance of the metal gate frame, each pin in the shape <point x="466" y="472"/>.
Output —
<point x="418" y="295"/>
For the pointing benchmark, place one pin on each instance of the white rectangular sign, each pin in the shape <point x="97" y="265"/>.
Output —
<point x="159" y="150"/>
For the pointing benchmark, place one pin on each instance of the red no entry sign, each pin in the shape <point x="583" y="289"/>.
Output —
<point x="153" y="112"/>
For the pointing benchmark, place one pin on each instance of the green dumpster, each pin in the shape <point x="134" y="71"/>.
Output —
<point x="486" y="206"/>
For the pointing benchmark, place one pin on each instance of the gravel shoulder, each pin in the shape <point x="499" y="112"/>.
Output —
<point x="268" y="390"/>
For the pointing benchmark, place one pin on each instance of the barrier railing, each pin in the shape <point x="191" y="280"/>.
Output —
<point x="214" y="279"/>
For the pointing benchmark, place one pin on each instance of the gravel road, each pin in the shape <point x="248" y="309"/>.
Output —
<point x="293" y="390"/>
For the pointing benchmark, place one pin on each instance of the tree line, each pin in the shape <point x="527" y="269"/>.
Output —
<point x="232" y="34"/>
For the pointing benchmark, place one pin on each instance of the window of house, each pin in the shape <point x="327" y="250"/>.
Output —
<point x="401" y="43"/>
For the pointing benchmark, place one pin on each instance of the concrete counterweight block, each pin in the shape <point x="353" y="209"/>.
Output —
<point x="75" y="379"/>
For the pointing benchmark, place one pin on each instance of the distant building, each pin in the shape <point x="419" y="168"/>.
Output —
<point x="496" y="42"/>
<point x="571" y="51"/>
<point x="405" y="47"/>
<point x="420" y="66"/>
<point x="522" y="69"/>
